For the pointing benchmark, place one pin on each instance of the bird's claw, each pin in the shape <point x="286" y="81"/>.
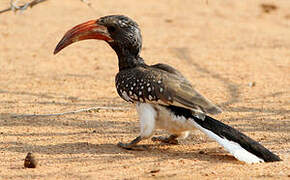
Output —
<point x="129" y="146"/>
<point x="165" y="140"/>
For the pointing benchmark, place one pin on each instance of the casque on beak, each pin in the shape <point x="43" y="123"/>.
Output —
<point x="87" y="30"/>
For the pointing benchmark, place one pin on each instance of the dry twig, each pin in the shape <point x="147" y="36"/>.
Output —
<point x="14" y="7"/>
<point x="73" y="112"/>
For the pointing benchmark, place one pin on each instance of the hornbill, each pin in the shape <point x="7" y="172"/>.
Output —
<point x="164" y="98"/>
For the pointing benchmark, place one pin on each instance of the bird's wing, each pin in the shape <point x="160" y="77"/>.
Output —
<point x="174" y="89"/>
<point x="161" y="84"/>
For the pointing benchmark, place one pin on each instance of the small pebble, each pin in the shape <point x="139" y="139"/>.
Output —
<point x="252" y="84"/>
<point x="155" y="171"/>
<point x="267" y="8"/>
<point x="30" y="161"/>
<point x="201" y="152"/>
<point x="168" y="20"/>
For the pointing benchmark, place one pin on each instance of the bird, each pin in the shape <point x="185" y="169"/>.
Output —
<point x="163" y="97"/>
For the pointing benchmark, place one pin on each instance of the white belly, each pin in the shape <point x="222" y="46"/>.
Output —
<point x="172" y="123"/>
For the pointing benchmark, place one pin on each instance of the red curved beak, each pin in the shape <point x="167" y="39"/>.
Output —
<point x="87" y="30"/>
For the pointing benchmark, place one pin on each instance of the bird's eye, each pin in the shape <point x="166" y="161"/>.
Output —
<point x="111" y="29"/>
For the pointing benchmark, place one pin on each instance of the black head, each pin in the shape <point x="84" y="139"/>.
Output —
<point x="126" y="35"/>
<point x="121" y="32"/>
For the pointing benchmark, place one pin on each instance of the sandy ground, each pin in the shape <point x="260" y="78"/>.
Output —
<point x="234" y="52"/>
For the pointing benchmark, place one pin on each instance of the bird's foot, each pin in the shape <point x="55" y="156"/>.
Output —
<point x="167" y="140"/>
<point x="133" y="145"/>
<point x="128" y="146"/>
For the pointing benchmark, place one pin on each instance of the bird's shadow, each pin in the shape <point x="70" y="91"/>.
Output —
<point x="95" y="129"/>
<point x="111" y="151"/>
<point x="105" y="151"/>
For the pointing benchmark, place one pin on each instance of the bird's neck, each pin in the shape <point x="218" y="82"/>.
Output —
<point x="128" y="57"/>
<point x="127" y="62"/>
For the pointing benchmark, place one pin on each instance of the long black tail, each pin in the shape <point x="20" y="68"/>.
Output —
<point x="234" y="138"/>
<point x="241" y="146"/>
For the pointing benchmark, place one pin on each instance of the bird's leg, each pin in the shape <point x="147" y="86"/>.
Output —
<point x="172" y="139"/>
<point x="132" y="145"/>
<point x="147" y="116"/>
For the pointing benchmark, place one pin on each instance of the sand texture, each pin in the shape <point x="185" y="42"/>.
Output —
<point x="236" y="53"/>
